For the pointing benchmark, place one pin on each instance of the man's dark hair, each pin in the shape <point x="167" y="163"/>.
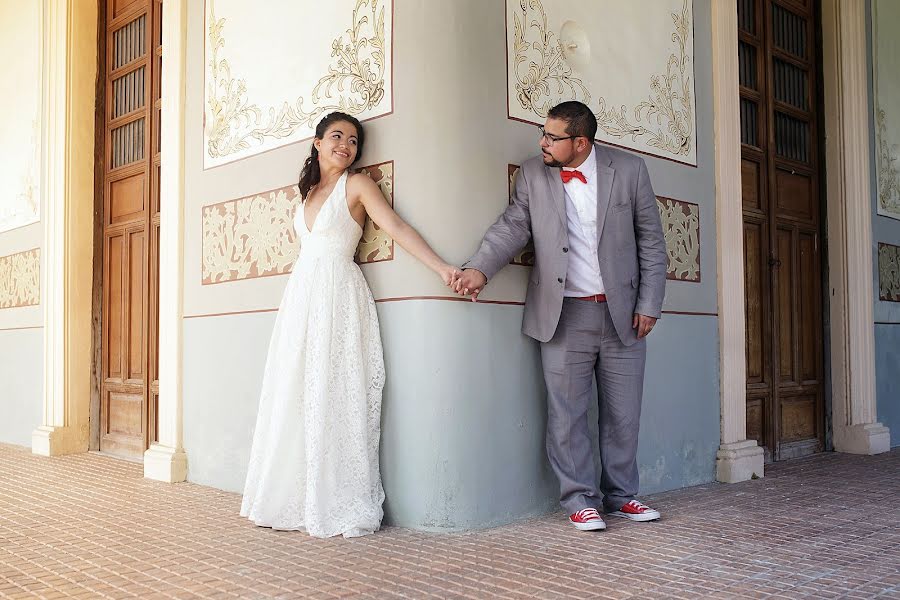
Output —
<point x="579" y="118"/>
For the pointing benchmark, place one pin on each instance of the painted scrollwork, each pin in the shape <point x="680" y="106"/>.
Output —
<point x="254" y="236"/>
<point x="664" y="120"/>
<point x="889" y="272"/>
<point x="888" y="173"/>
<point x="681" y="227"/>
<point x="354" y="83"/>
<point x="375" y="245"/>
<point x="250" y="237"/>
<point x="20" y="279"/>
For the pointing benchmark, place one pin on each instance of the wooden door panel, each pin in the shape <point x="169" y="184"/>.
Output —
<point x="784" y="306"/>
<point x="755" y="273"/>
<point x="751" y="190"/>
<point x="125" y="414"/>
<point x="809" y="309"/>
<point x="781" y="211"/>
<point x="128" y="43"/>
<point x="128" y="93"/>
<point x="131" y="226"/>
<point x="798" y="418"/>
<point x="119" y="8"/>
<point x="794" y="196"/>
<point x="126" y="200"/>
<point x="790" y="31"/>
<point x="114" y="308"/>
<point x="126" y="144"/>
<point x="756" y="419"/>
<point x="137" y="306"/>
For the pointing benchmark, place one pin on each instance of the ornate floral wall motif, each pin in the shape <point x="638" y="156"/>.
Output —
<point x="888" y="162"/>
<point x="20" y="279"/>
<point x="889" y="272"/>
<point x="526" y="257"/>
<point x="242" y="120"/>
<point x="635" y="69"/>
<point x="254" y="236"/>
<point x="376" y="245"/>
<point x="20" y="81"/>
<point x="250" y="237"/>
<point x="681" y="226"/>
<point x="886" y="59"/>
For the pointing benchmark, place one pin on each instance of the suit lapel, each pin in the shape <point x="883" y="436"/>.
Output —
<point x="605" y="175"/>
<point x="558" y="194"/>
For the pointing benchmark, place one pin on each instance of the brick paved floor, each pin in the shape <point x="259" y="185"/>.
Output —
<point x="91" y="526"/>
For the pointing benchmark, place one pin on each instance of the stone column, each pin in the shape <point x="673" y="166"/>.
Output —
<point x="166" y="460"/>
<point x="69" y="72"/>
<point x="738" y="458"/>
<point x="847" y="126"/>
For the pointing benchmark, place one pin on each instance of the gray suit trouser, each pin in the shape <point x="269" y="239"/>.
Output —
<point x="586" y="346"/>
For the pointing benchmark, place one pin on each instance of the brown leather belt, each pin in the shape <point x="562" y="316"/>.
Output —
<point x="594" y="298"/>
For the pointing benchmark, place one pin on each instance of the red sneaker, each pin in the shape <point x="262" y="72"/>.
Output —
<point x="636" y="511"/>
<point x="587" y="519"/>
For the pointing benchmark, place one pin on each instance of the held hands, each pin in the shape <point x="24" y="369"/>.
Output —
<point x="449" y="274"/>
<point x="469" y="283"/>
<point x="643" y="324"/>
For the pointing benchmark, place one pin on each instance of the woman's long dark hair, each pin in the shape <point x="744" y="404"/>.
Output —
<point x="310" y="174"/>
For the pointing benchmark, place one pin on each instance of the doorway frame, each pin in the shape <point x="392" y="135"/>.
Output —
<point x="848" y="216"/>
<point x="69" y="65"/>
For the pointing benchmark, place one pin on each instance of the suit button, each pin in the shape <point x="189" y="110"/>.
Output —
<point x="559" y="279"/>
<point x="565" y="249"/>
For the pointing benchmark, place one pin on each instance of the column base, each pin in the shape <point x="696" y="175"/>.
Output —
<point x="47" y="440"/>
<point x="739" y="461"/>
<point x="868" y="438"/>
<point x="164" y="463"/>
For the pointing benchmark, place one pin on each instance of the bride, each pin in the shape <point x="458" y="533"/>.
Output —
<point x="314" y="461"/>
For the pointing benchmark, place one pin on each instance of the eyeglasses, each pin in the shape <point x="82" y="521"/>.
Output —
<point x="552" y="139"/>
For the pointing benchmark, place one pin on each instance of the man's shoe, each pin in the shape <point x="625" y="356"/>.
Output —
<point x="587" y="519"/>
<point x="636" y="511"/>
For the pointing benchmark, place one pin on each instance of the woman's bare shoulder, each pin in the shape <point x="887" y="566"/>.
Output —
<point x="358" y="183"/>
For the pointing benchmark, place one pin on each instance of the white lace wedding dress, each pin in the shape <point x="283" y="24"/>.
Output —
<point x="314" y="461"/>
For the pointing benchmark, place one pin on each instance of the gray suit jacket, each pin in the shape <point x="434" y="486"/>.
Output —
<point x="632" y="248"/>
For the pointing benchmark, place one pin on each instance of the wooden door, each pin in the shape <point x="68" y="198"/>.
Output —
<point x="778" y="57"/>
<point x="129" y="385"/>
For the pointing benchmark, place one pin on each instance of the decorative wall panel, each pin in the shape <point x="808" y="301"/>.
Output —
<point x="681" y="226"/>
<point x="630" y="62"/>
<point x="20" y="279"/>
<point x="889" y="272"/>
<point x="19" y="119"/>
<point x="886" y="58"/>
<point x="272" y="74"/>
<point x="376" y="245"/>
<point x="254" y="236"/>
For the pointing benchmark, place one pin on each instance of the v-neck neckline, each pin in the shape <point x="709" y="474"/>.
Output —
<point x="321" y="208"/>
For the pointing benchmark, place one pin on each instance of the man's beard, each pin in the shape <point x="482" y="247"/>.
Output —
<point x="553" y="162"/>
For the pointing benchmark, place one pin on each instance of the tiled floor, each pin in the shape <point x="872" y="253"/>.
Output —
<point x="91" y="526"/>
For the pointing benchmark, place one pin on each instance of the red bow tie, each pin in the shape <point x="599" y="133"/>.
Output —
<point x="568" y="176"/>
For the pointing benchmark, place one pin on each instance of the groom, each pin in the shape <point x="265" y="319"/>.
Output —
<point x="595" y="292"/>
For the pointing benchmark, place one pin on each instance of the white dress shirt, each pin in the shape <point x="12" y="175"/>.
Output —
<point x="583" y="277"/>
